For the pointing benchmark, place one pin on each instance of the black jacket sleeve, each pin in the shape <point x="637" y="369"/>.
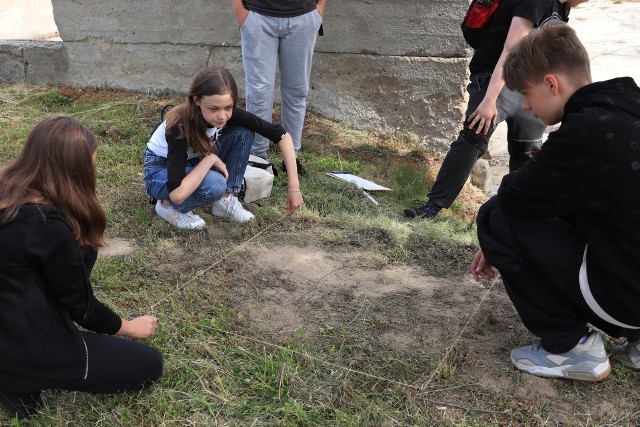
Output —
<point x="66" y="277"/>
<point x="176" y="158"/>
<point x="252" y="122"/>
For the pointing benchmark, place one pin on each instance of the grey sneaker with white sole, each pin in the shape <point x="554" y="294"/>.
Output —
<point x="587" y="361"/>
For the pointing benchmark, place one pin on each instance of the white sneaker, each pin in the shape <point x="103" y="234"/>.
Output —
<point x="187" y="220"/>
<point x="230" y="207"/>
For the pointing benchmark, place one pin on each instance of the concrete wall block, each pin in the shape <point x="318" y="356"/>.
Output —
<point x="421" y="96"/>
<point x="12" y="69"/>
<point x="12" y="63"/>
<point x="384" y="27"/>
<point x="205" y="22"/>
<point x="392" y="65"/>
<point x="395" y="27"/>
<point x="46" y="62"/>
<point x="13" y="47"/>
<point x="148" y="68"/>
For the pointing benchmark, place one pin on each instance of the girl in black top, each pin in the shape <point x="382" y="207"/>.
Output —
<point x="200" y="153"/>
<point x="51" y="225"/>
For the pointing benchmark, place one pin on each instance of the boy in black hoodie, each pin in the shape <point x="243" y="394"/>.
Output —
<point x="563" y="230"/>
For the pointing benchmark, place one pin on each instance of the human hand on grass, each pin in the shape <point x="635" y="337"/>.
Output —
<point x="140" y="327"/>
<point x="294" y="201"/>
<point x="480" y="268"/>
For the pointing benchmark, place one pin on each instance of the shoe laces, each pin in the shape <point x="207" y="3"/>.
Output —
<point x="426" y="207"/>
<point x="184" y="219"/>
<point x="233" y="204"/>
<point x="193" y="217"/>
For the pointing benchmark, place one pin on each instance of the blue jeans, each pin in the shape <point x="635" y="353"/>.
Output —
<point x="524" y="139"/>
<point x="234" y="146"/>
<point x="287" y="43"/>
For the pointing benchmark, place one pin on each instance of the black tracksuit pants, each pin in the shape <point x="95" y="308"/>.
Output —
<point x="114" y="365"/>
<point x="539" y="261"/>
<point x="524" y="139"/>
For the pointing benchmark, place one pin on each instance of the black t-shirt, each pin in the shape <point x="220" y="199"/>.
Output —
<point x="281" y="8"/>
<point x="488" y="52"/>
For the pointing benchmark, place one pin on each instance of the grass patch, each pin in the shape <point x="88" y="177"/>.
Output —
<point x="348" y="367"/>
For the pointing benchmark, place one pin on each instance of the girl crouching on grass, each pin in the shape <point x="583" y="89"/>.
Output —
<point x="51" y="225"/>
<point x="199" y="154"/>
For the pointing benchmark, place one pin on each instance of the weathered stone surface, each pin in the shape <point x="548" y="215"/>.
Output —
<point x="12" y="68"/>
<point x="395" y="27"/>
<point x="390" y="65"/>
<point x="190" y="22"/>
<point x="13" y="47"/>
<point x="153" y="68"/>
<point x="414" y="95"/>
<point x="384" y="27"/>
<point x="46" y="62"/>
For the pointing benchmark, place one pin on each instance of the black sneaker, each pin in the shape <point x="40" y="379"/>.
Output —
<point x="422" y="209"/>
<point x="299" y="167"/>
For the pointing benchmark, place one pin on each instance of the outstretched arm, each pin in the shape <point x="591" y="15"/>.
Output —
<point x="486" y="114"/>
<point x="294" y="196"/>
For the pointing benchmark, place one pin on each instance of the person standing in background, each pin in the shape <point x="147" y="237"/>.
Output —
<point x="491" y="103"/>
<point x="283" y="33"/>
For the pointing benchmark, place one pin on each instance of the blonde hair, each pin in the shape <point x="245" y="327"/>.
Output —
<point x="554" y="47"/>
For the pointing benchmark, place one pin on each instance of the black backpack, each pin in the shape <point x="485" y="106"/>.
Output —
<point x="477" y="19"/>
<point x="480" y="12"/>
<point x="164" y="110"/>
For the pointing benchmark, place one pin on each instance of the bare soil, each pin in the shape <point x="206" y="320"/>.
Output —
<point x="444" y="332"/>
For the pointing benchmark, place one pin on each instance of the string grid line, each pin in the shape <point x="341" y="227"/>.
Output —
<point x="421" y="388"/>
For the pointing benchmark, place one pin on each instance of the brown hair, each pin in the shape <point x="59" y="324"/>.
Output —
<point x="56" y="167"/>
<point x="210" y="81"/>
<point x="554" y="47"/>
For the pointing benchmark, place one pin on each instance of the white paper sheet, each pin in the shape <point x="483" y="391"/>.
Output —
<point x="365" y="184"/>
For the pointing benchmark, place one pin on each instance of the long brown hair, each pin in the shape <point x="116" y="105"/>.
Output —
<point x="56" y="168"/>
<point x="210" y="81"/>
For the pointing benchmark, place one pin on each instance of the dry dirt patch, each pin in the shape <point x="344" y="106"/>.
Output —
<point x="395" y="307"/>
<point x="117" y="246"/>
<point x="325" y="295"/>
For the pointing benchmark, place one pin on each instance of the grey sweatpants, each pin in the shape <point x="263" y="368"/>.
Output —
<point x="288" y="43"/>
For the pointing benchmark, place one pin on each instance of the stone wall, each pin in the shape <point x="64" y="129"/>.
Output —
<point x="388" y="65"/>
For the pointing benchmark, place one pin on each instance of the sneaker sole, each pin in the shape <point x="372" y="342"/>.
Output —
<point x="411" y="213"/>
<point x="197" y="226"/>
<point x="589" y="373"/>
<point x="231" y="218"/>
<point x="192" y="227"/>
